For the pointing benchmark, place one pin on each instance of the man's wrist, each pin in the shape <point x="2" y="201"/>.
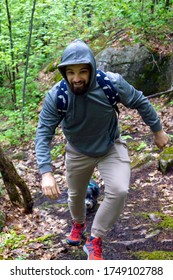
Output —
<point x="47" y="174"/>
<point x="158" y="132"/>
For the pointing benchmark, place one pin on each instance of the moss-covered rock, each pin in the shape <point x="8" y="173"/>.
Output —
<point x="141" y="160"/>
<point x="144" y="68"/>
<point x="155" y="255"/>
<point x="166" y="160"/>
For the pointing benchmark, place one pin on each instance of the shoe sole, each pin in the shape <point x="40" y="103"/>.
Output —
<point x="86" y="251"/>
<point x="76" y="243"/>
<point x="73" y="243"/>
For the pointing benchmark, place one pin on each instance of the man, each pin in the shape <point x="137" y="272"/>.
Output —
<point x="93" y="140"/>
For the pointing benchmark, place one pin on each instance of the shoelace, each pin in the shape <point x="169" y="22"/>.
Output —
<point x="76" y="230"/>
<point x="97" y="247"/>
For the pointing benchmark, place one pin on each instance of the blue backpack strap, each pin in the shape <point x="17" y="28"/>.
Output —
<point x="108" y="89"/>
<point x="62" y="99"/>
<point x="103" y="81"/>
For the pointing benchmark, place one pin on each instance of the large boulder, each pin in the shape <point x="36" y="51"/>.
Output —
<point x="166" y="160"/>
<point x="144" y="69"/>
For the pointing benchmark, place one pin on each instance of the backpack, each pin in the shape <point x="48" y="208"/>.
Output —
<point x="103" y="81"/>
<point x="92" y="194"/>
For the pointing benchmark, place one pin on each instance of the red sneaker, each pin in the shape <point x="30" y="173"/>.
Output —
<point x="76" y="234"/>
<point x="93" y="248"/>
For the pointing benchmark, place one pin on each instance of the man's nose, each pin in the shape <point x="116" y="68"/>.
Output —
<point x="76" y="78"/>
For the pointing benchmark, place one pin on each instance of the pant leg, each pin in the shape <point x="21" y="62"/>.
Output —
<point x="79" y="169"/>
<point x="115" y="171"/>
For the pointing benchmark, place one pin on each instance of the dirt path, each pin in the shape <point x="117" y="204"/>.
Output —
<point x="138" y="229"/>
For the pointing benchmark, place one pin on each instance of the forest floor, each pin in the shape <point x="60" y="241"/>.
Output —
<point x="144" y="229"/>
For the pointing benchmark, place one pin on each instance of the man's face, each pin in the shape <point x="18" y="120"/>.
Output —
<point x="78" y="76"/>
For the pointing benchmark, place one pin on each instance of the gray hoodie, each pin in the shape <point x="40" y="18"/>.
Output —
<point x="90" y="124"/>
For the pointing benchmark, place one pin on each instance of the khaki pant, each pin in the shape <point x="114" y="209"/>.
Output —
<point x="114" y="169"/>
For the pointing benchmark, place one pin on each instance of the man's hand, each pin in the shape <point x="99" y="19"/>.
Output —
<point x="49" y="186"/>
<point x="160" y="138"/>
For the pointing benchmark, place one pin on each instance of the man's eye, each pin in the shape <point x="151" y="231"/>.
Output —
<point x="69" y="73"/>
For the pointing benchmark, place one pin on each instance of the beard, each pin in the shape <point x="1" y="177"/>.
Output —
<point x="79" y="88"/>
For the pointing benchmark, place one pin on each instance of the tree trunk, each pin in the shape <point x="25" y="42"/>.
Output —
<point x="12" y="56"/>
<point x="27" y="63"/>
<point x="167" y="4"/>
<point x="12" y="180"/>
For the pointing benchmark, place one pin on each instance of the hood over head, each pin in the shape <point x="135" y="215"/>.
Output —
<point x="77" y="52"/>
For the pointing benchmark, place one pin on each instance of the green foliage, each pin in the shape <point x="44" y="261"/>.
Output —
<point x="142" y="145"/>
<point x="137" y="145"/>
<point x="43" y="239"/>
<point x="11" y="240"/>
<point x="155" y="255"/>
<point x="12" y="128"/>
<point x="126" y="137"/>
<point x="145" y="22"/>
<point x="57" y="150"/>
<point x="164" y="221"/>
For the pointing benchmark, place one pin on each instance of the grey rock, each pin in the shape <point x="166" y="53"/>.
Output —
<point x="144" y="69"/>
